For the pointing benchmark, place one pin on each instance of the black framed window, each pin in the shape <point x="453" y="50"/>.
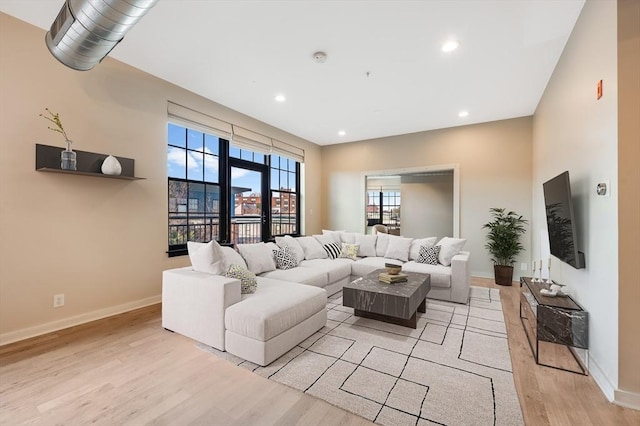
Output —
<point x="193" y="169"/>
<point x="284" y="195"/>
<point x="202" y="203"/>
<point x="247" y="155"/>
<point x="383" y="207"/>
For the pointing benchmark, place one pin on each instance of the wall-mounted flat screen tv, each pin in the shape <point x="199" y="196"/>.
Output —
<point x="561" y="223"/>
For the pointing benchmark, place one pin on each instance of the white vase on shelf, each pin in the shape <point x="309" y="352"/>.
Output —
<point x="111" y="166"/>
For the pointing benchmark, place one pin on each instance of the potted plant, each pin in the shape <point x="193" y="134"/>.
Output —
<point x="503" y="244"/>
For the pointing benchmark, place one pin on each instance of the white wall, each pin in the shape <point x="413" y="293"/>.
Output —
<point x="573" y="131"/>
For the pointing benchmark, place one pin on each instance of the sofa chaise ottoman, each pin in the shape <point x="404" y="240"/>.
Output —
<point x="258" y="327"/>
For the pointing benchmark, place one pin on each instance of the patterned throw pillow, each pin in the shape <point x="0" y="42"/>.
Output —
<point x="248" y="281"/>
<point x="285" y="258"/>
<point x="349" y="251"/>
<point x="428" y="255"/>
<point x="332" y="249"/>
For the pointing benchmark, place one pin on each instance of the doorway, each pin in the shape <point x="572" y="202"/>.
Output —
<point x="416" y="202"/>
<point x="248" y="199"/>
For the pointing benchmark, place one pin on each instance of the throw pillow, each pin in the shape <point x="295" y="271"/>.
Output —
<point x="398" y="248"/>
<point x="349" y="251"/>
<point x="207" y="257"/>
<point x="428" y="255"/>
<point x="258" y="257"/>
<point x="367" y="245"/>
<point x="449" y="247"/>
<point x="285" y="258"/>
<point x="381" y="244"/>
<point x="312" y="248"/>
<point x="248" y="280"/>
<point x="332" y="249"/>
<point x="292" y="243"/>
<point x="417" y="244"/>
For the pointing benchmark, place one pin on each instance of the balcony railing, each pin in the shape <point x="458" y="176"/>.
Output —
<point x="244" y="229"/>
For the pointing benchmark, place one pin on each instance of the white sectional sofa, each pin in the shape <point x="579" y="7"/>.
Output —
<point x="262" y="326"/>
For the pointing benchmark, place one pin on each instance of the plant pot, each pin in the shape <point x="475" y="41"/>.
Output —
<point x="503" y="274"/>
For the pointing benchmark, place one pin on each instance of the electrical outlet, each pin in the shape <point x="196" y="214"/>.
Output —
<point x="58" y="300"/>
<point x="523" y="266"/>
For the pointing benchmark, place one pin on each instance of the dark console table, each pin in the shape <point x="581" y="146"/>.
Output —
<point x="559" y="320"/>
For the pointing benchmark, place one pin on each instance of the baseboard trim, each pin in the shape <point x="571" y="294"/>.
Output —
<point x="481" y="275"/>
<point x="601" y="379"/>
<point x="38" y="330"/>
<point x="627" y="399"/>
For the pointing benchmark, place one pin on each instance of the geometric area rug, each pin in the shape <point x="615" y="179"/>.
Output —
<point x="454" y="369"/>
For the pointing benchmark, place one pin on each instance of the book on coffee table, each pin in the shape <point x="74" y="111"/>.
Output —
<point x="392" y="279"/>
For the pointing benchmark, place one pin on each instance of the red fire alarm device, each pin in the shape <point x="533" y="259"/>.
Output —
<point x="599" y="90"/>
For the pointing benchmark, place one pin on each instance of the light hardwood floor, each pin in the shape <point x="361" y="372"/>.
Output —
<point x="128" y="370"/>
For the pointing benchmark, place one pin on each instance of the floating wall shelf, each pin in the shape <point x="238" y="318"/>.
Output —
<point x="88" y="163"/>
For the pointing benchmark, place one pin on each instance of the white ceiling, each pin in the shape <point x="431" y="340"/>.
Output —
<point x="242" y="53"/>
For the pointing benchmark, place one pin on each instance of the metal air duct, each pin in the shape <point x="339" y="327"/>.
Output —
<point x="85" y="31"/>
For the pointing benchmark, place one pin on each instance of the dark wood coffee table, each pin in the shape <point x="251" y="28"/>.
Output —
<point x="392" y="303"/>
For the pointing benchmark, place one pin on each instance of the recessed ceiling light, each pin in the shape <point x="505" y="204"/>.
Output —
<point x="450" y="46"/>
<point x="280" y="98"/>
<point x="462" y="114"/>
<point x="342" y="133"/>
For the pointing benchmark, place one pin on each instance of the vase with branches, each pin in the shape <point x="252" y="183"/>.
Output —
<point x="503" y="242"/>
<point x="67" y="157"/>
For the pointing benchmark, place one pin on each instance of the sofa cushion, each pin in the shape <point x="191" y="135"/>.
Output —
<point x="428" y="255"/>
<point x="335" y="269"/>
<point x="292" y="243"/>
<point x="367" y="265"/>
<point x="367" y="245"/>
<point x="299" y="275"/>
<point x="274" y="308"/>
<point x="440" y="274"/>
<point x="258" y="256"/>
<point x="381" y="244"/>
<point x="248" y="281"/>
<point x="285" y="258"/>
<point x="348" y="237"/>
<point x="336" y="236"/>
<point x="207" y="257"/>
<point x="449" y="247"/>
<point x="323" y="239"/>
<point x="312" y="248"/>
<point x="417" y="243"/>
<point x="398" y="248"/>
<point x="232" y="257"/>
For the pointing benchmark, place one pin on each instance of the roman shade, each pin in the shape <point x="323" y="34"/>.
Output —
<point x="246" y="139"/>
<point x="288" y="150"/>
<point x="238" y="136"/>
<point x="198" y="121"/>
